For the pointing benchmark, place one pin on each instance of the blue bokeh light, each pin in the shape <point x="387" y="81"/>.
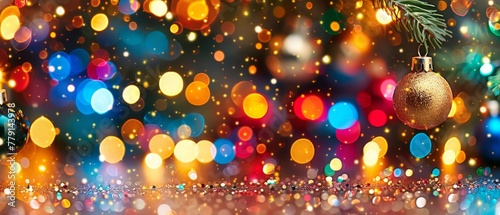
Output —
<point x="225" y="151"/>
<point x="102" y="101"/>
<point x="420" y="145"/>
<point x="59" y="66"/>
<point x="196" y="122"/>
<point x="342" y="115"/>
<point x="156" y="42"/>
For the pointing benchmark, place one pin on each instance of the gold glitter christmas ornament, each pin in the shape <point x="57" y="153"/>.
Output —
<point x="422" y="98"/>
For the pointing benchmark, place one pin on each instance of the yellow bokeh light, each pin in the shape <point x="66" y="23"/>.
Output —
<point x="158" y="8"/>
<point x="197" y="93"/>
<point x="268" y="168"/>
<point x="449" y="157"/>
<point x="99" y="22"/>
<point x="9" y="26"/>
<point x="112" y="149"/>
<point x="186" y="151"/>
<point x="198" y="10"/>
<point x="131" y="94"/>
<point x="383" y="17"/>
<point x="371" y="146"/>
<point x="336" y="164"/>
<point x="255" y="105"/>
<point x="42" y="132"/>
<point x="206" y="151"/>
<point x="66" y="203"/>
<point x="335" y="26"/>
<point x="302" y="151"/>
<point x="370" y="157"/>
<point x="174" y="28"/>
<point x="153" y="160"/>
<point x="60" y="11"/>
<point x="162" y="144"/>
<point x="453" y="109"/>
<point x="382" y="145"/>
<point x="171" y="83"/>
<point x="409" y="172"/>
<point x="454" y="145"/>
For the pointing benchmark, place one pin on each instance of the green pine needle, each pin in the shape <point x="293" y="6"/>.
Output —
<point x="418" y="20"/>
<point x="494" y="84"/>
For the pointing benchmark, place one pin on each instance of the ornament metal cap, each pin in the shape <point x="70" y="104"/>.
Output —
<point x="421" y="64"/>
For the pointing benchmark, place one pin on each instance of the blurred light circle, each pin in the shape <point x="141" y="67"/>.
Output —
<point x="195" y="122"/>
<point x="421" y="202"/>
<point x="328" y="170"/>
<point x="420" y="145"/>
<point x="207" y="151"/>
<point x="158" y="8"/>
<point x="435" y="172"/>
<point x="20" y="78"/>
<point x="255" y="105"/>
<point x="370" y="157"/>
<point x="383" y="17"/>
<point x="128" y="7"/>
<point x="99" y="22"/>
<point x="186" y="151"/>
<point x="454" y="145"/>
<point x="164" y="209"/>
<point x="241" y="90"/>
<point x="171" y="83"/>
<point x="336" y="164"/>
<point x="112" y="149"/>
<point x="162" y="144"/>
<point x="22" y="39"/>
<point x="102" y="101"/>
<point x="195" y="15"/>
<point x="377" y="118"/>
<point x="156" y="42"/>
<point x="225" y="151"/>
<point x="106" y="70"/>
<point x="486" y="69"/>
<point x="387" y="88"/>
<point x="302" y="151"/>
<point x="349" y="135"/>
<point x="342" y="115"/>
<point x="333" y="22"/>
<point x="59" y="66"/>
<point x="382" y="145"/>
<point x="153" y="160"/>
<point x="42" y="132"/>
<point x="449" y="157"/>
<point x="79" y="59"/>
<point x="197" y="93"/>
<point x="268" y="168"/>
<point x="131" y="94"/>
<point x="9" y="26"/>
<point x="245" y="133"/>
<point x="312" y="107"/>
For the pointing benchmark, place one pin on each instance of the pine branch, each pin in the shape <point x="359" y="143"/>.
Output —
<point x="494" y="84"/>
<point x="418" y="20"/>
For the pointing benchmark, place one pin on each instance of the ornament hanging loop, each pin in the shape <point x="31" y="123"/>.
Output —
<point x="421" y="63"/>
<point x="426" y="50"/>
